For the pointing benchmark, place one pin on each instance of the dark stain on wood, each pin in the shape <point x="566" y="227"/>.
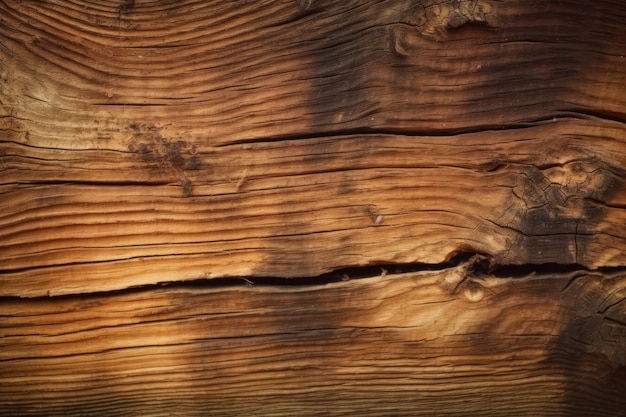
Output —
<point x="560" y="207"/>
<point x="592" y="346"/>
<point x="176" y="156"/>
<point x="125" y="7"/>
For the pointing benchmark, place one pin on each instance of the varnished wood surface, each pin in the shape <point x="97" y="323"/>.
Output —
<point x="417" y="344"/>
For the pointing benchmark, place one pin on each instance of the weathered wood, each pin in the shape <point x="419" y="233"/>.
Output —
<point x="187" y="142"/>
<point x="112" y="114"/>
<point x="428" y="343"/>
<point x="307" y="208"/>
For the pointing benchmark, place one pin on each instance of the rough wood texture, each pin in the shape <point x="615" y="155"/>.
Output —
<point x="245" y="138"/>
<point x="427" y="343"/>
<point x="189" y="141"/>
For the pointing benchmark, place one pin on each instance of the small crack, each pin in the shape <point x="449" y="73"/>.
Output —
<point x="377" y="131"/>
<point x="519" y="271"/>
<point x="614" y="321"/>
<point x="463" y="130"/>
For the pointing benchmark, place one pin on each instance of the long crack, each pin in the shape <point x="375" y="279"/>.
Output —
<point x="474" y="265"/>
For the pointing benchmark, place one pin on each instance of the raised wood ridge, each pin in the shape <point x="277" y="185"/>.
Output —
<point x="156" y="158"/>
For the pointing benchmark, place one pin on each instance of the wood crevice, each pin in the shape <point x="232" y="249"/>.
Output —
<point x="472" y="265"/>
<point x="365" y="131"/>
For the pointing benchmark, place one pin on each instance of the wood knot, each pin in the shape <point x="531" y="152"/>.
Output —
<point x="559" y="208"/>
<point x="434" y="18"/>
<point x="462" y="279"/>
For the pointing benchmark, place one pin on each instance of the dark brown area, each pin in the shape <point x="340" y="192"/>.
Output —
<point x="175" y="156"/>
<point x="556" y="218"/>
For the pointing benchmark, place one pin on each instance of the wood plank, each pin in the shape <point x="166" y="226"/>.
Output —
<point x="223" y="72"/>
<point x="176" y="176"/>
<point x="450" y="342"/>
<point x="288" y="129"/>
<point x="298" y="209"/>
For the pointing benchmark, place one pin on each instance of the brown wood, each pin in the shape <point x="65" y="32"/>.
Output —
<point x="426" y="343"/>
<point x="203" y="144"/>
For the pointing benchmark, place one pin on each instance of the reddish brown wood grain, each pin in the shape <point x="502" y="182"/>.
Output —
<point x="140" y="138"/>
<point x="428" y="343"/>
<point x="205" y="145"/>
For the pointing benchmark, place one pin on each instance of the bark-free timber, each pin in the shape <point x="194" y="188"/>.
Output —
<point x="408" y="344"/>
<point x="185" y="142"/>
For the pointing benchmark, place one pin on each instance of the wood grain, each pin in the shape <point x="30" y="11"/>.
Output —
<point x="305" y="209"/>
<point x="176" y="177"/>
<point x="440" y="343"/>
<point x="152" y="142"/>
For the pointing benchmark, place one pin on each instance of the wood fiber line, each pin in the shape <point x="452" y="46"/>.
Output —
<point x="405" y="344"/>
<point x="102" y="71"/>
<point x="226" y="72"/>
<point x="285" y="208"/>
<point x="167" y="167"/>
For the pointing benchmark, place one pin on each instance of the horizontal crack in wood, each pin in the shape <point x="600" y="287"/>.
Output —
<point x="470" y="266"/>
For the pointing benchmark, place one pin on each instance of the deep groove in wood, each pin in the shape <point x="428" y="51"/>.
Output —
<point x="473" y="265"/>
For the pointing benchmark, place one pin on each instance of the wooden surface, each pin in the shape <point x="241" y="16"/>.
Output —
<point x="425" y="343"/>
<point x="202" y="144"/>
